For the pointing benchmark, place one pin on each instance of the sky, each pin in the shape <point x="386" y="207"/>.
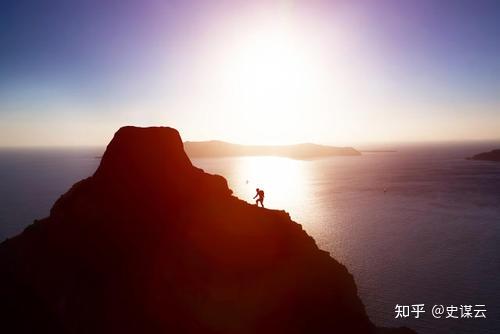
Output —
<point x="252" y="72"/>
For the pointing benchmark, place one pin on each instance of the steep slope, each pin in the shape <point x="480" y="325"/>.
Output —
<point x="152" y="244"/>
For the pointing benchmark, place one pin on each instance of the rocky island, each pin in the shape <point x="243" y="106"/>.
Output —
<point x="493" y="155"/>
<point x="152" y="244"/>
<point x="215" y="148"/>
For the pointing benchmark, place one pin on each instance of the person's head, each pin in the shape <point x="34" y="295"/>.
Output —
<point x="257" y="189"/>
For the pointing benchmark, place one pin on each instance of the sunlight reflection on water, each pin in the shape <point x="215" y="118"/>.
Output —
<point x="282" y="179"/>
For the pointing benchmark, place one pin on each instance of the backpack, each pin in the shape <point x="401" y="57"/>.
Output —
<point x="261" y="193"/>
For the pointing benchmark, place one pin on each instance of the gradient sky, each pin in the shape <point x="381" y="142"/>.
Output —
<point x="333" y="72"/>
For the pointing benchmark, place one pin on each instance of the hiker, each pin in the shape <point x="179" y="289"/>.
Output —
<point x="260" y="197"/>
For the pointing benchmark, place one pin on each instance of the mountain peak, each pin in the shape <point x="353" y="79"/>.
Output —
<point x="143" y="152"/>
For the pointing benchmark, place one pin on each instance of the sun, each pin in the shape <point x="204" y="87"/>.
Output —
<point x="275" y="72"/>
<point x="270" y="80"/>
<point x="271" y="66"/>
<point x="267" y="74"/>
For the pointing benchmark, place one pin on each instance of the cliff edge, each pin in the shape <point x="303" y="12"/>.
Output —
<point x="152" y="244"/>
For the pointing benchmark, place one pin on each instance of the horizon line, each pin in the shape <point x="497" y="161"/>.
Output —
<point x="354" y="145"/>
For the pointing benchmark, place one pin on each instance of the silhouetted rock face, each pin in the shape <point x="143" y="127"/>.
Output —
<point x="487" y="156"/>
<point x="152" y="244"/>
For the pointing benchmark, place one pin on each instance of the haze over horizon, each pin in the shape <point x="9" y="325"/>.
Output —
<point x="267" y="72"/>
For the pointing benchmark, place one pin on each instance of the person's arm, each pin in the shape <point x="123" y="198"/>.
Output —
<point x="255" y="196"/>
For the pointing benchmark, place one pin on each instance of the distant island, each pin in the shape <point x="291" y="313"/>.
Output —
<point x="215" y="148"/>
<point x="493" y="155"/>
<point x="378" y="151"/>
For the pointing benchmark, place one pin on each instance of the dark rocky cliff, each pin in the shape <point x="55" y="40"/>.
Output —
<point x="152" y="244"/>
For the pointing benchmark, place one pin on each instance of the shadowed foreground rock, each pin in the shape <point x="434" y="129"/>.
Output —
<point x="152" y="244"/>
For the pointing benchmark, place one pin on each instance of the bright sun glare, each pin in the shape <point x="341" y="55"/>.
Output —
<point x="268" y="76"/>
<point x="273" y="67"/>
<point x="282" y="178"/>
<point x="275" y="73"/>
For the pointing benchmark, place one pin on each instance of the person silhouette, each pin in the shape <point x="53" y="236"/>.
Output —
<point x="260" y="197"/>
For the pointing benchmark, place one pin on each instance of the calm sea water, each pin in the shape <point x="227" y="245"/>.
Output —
<point x="432" y="237"/>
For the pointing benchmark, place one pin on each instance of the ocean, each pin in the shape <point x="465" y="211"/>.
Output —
<point x="417" y="226"/>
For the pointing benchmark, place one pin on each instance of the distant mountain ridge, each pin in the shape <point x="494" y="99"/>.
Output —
<point x="216" y="148"/>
